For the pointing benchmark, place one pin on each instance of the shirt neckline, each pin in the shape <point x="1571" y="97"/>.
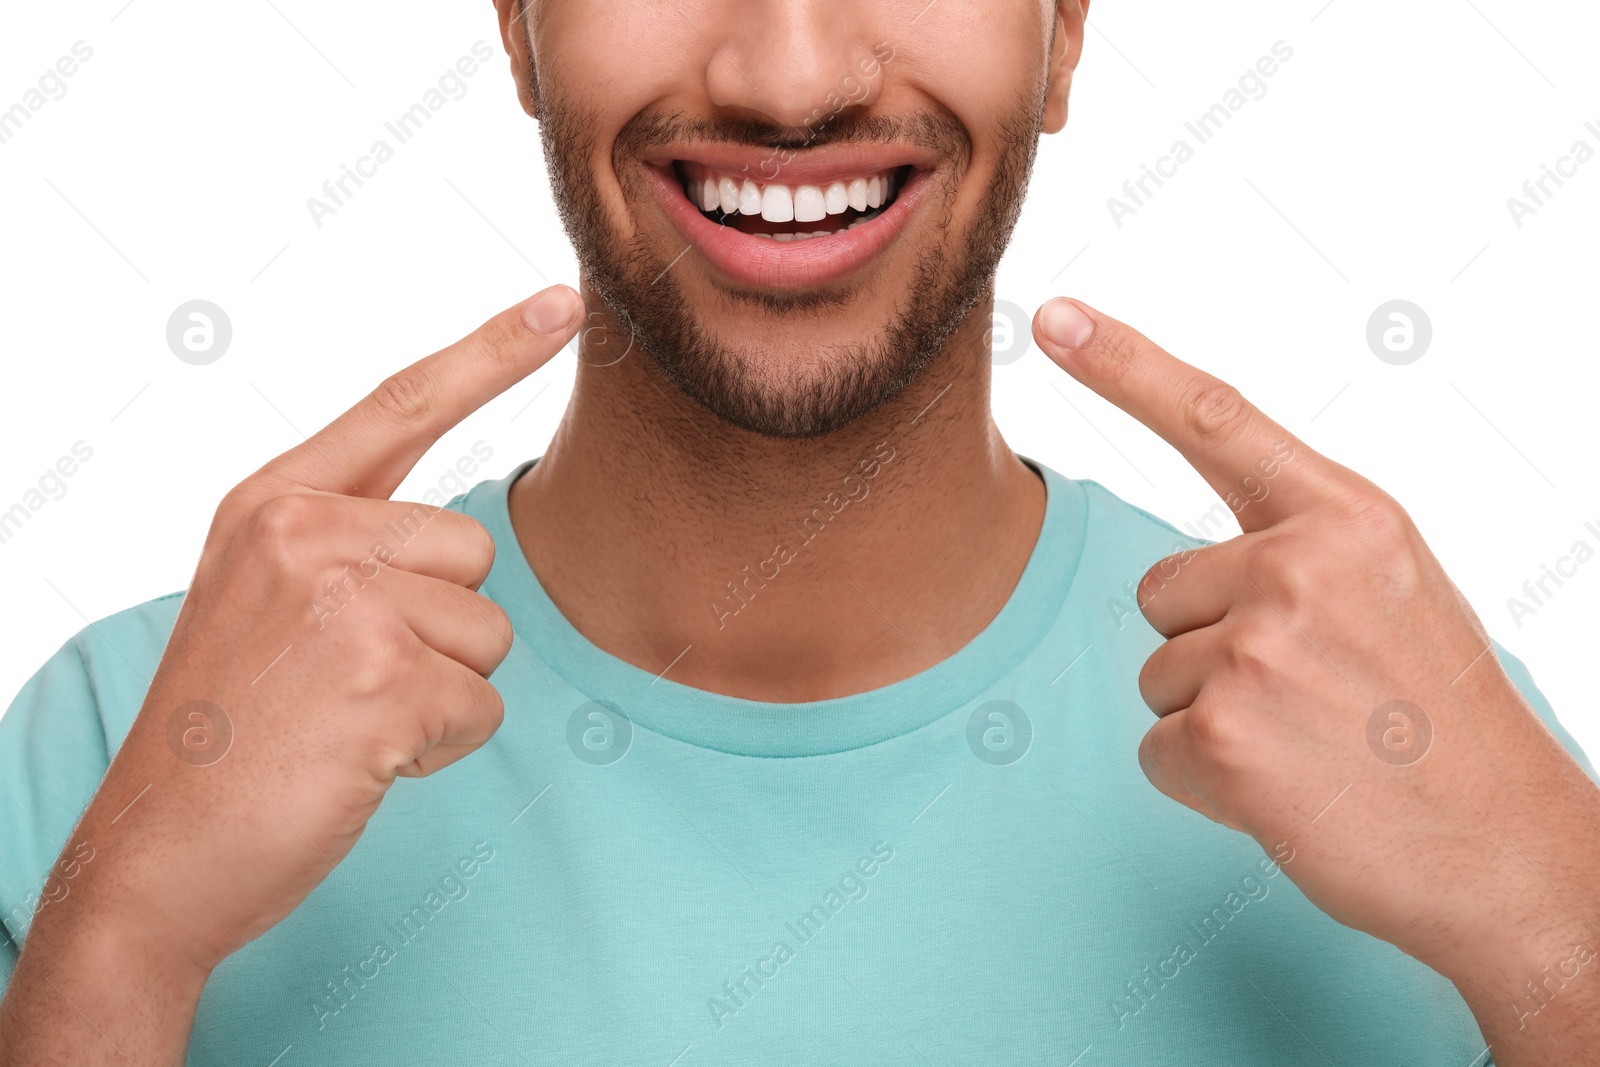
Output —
<point x="744" y="727"/>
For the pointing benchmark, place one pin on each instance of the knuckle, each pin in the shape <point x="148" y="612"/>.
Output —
<point x="234" y="507"/>
<point x="387" y="654"/>
<point x="1255" y="649"/>
<point x="1162" y="755"/>
<point x="1161" y="574"/>
<point x="397" y="745"/>
<point x="1146" y="592"/>
<point x="1212" y="730"/>
<point x="1152" y="749"/>
<point x="280" y="528"/>
<point x="1287" y="570"/>
<point x="489" y="707"/>
<point x="412" y="522"/>
<point x="1381" y="518"/>
<point x="1150" y="674"/>
<point x="500" y="622"/>
<point x="502" y="342"/>
<point x="403" y="396"/>
<point x="1387" y="536"/>
<point x="477" y="549"/>
<point x="1213" y="410"/>
<point x="471" y="714"/>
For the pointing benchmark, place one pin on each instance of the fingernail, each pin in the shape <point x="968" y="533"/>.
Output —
<point x="1064" y="324"/>
<point x="551" y="309"/>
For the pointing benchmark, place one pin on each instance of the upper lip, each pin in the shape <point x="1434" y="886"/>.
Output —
<point x="800" y="166"/>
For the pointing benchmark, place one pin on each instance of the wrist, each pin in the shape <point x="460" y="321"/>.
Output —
<point x="92" y="988"/>
<point x="117" y="943"/>
<point x="1514" y="971"/>
<point x="1535" y="1008"/>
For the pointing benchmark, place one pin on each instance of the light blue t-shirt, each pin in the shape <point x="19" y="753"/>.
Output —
<point x="964" y="867"/>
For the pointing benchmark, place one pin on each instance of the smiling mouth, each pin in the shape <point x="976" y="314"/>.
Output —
<point x="786" y="212"/>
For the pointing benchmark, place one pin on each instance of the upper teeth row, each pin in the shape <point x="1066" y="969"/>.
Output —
<point x="782" y="203"/>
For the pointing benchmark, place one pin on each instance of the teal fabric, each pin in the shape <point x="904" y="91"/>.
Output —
<point x="872" y="879"/>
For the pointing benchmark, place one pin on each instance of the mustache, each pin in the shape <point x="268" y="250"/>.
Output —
<point x="938" y="131"/>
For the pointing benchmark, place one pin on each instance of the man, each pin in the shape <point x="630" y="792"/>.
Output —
<point x="780" y="713"/>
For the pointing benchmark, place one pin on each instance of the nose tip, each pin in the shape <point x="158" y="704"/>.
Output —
<point x="796" y="65"/>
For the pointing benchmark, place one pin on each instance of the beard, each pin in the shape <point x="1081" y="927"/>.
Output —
<point x="745" y="383"/>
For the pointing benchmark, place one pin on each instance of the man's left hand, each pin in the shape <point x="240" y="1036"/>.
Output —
<point x="1325" y="688"/>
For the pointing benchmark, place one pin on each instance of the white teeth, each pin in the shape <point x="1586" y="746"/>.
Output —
<point x="777" y="204"/>
<point x="750" y="198"/>
<point x="858" y="193"/>
<point x="788" y="237"/>
<point x="809" y="205"/>
<point x="782" y="203"/>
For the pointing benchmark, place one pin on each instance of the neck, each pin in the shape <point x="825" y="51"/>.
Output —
<point x="780" y="570"/>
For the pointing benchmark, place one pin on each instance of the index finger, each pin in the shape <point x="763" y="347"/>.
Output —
<point x="1228" y="440"/>
<point x="368" y="450"/>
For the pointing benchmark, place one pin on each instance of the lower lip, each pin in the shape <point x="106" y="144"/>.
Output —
<point x="766" y="264"/>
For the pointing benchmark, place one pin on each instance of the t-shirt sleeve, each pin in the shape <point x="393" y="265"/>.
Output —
<point x="1520" y="676"/>
<point x="53" y="753"/>
<point x="56" y="742"/>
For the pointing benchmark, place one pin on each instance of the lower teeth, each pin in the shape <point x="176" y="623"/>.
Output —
<point x="787" y="237"/>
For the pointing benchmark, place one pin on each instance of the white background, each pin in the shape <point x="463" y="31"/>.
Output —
<point x="1377" y="166"/>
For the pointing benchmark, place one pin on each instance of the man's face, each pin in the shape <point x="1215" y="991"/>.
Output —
<point x="792" y="203"/>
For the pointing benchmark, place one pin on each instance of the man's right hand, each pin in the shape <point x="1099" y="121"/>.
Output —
<point x="194" y="858"/>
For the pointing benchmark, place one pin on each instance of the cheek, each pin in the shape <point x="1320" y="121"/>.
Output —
<point x="614" y="57"/>
<point x="991" y="82"/>
<point x="967" y="64"/>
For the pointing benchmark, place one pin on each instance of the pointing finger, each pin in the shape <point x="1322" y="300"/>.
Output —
<point x="370" y="449"/>
<point x="1240" y="452"/>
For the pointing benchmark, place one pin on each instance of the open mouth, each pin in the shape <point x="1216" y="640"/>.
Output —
<point x="824" y="215"/>
<point x="787" y="212"/>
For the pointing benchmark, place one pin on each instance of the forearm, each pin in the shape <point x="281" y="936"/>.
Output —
<point x="1548" y="1015"/>
<point x="91" y="989"/>
<point x="1531" y="971"/>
